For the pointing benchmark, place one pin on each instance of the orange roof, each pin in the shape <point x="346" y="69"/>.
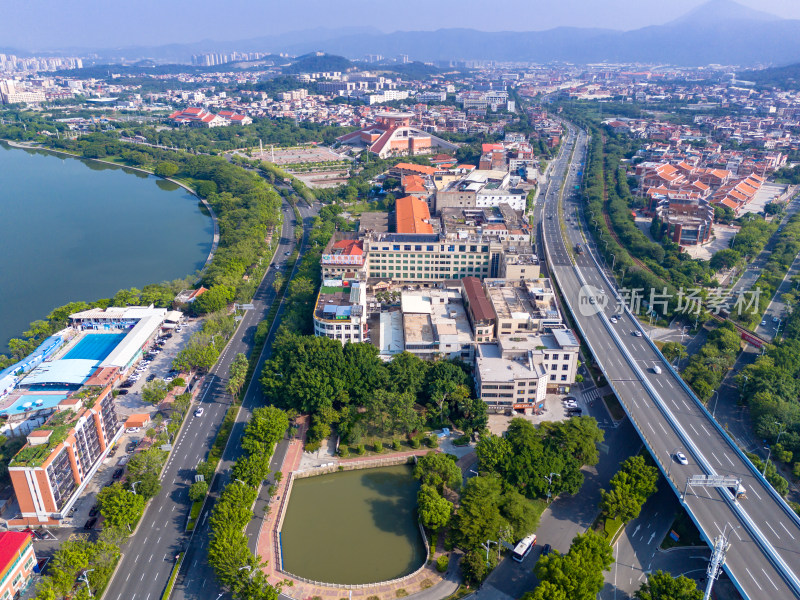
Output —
<point x="421" y="169"/>
<point x="350" y="247"/>
<point x="412" y="216"/>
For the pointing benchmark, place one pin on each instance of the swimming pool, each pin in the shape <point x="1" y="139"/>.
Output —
<point x="34" y="402"/>
<point x="96" y="346"/>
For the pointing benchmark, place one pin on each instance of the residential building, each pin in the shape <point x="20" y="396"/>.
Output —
<point x="198" y="117"/>
<point x="60" y="457"/>
<point x="412" y="216"/>
<point x="523" y="306"/>
<point x="17" y="561"/>
<point x="340" y="312"/>
<point x="435" y="325"/>
<point x="481" y="188"/>
<point x="480" y="311"/>
<point x="687" y="221"/>
<point x="343" y="258"/>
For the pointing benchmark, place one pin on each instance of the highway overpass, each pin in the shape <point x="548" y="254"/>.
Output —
<point x="763" y="559"/>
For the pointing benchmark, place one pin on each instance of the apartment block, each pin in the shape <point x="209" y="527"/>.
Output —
<point x="341" y="311"/>
<point x="435" y="325"/>
<point x="523" y="306"/>
<point x="481" y="188"/>
<point x="62" y="455"/>
<point x="17" y="561"/>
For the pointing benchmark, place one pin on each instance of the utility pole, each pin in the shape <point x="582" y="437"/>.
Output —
<point x="721" y="546"/>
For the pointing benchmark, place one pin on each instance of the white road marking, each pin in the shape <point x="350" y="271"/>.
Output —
<point x="128" y="577"/>
<point x="786" y="530"/>
<point x="715" y="457"/>
<point x="704" y="429"/>
<point x="693" y="429"/>
<point x="753" y="578"/>
<point x="773" y="531"/>
<point x="651" y="428"/>
<point x="769" y="578"/>
<point x="662" y="427"/>
<point x="728" y="459"/>
<point x="757" y="494"/>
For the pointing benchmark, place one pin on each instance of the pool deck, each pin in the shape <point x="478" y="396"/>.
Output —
<point x="428" y="583"/>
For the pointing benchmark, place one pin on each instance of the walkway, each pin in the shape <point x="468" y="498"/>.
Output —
<point x="428" y="584"/>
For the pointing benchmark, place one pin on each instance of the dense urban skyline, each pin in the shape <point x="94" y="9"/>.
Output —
<point x="102" y="25"/>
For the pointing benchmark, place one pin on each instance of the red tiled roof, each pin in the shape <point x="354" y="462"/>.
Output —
<point x="412" y="216"/>
<point x="11" y="544"/>
<point x="479" y="304"/>
<point x="350" y="247"/>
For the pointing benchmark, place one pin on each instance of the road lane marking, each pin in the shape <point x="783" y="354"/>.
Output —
<point x="773" y="531"/>
<point x="786" y="530"/>
<point x="715" y="457"/>
<point x="704" y="429"/>
<point x="770" y="579"/>
<point x="757" y="494"/>
<point x="729" y="460"/>
<point x="693" y="429"/>
<point x="128" y="577"/>
<point x="753" y="578"/>
<point x="662" y="428"/>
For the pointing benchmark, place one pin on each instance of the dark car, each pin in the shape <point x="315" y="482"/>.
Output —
<point x="574" y="412"/>
<point x="131" y="446"/>
<point x="123" y="392"/>
<point x="95" y="510"/>
<point x="546" y="549"/>
<point x="151" y="377"/>
<point x="90" y="523"/>
<point x="118" y="473"/>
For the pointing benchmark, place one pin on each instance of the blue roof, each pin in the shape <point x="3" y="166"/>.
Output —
<point x="72" y="371"/>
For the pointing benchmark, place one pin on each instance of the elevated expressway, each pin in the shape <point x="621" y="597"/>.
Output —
<point x="763" y="558"/>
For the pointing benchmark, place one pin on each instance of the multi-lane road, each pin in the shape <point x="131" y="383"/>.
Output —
<point x="149" y="554"/>
<point x="764" y="556"/>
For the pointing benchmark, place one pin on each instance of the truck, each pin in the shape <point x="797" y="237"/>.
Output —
<point x="738" y="491"/>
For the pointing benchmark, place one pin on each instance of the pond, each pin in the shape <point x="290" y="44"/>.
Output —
<point x="353" y="527"/>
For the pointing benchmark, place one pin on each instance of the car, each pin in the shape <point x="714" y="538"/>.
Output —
<point x="131" y="446"/>
<point x="546" y="549"/>
<point x="764" y="322"/>
<point x="151" y="377"/>
<point x="286" y="254"/>
<point x="199" y="412"/>
<point x="95" y="510"/>
<point x="681" y="458"/>
<point x="90" y="523"/>
<point x="178" y="328"/>
<point x="775" y="319"/>
<point x="574" y="412"/>
<point x="123" y="392"/>
<point x="118" y="473"/>
<point x="168" y="379"/>
<point x="132" y="429"/>
<point x="613" y="319"/>
<point x="637" y="333"/>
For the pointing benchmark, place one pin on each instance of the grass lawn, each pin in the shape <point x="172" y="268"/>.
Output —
<point x="614" y="407"/>
<point x="685" y="528"/>
<point x="193" y="514"/>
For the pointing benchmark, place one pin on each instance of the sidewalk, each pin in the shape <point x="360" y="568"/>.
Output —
<point x="428" y="584"/>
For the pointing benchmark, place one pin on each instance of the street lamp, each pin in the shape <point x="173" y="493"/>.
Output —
<point x="84" y="578"/>
<point x="550" y="484"/>
<point x="769" y="448"/>
<point x="613" y="262"/>
<point x="714" y="410"/>
<point x="240" y="481"/>
<point x="133" y="486"/>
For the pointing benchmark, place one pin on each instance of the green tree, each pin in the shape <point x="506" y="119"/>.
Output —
<point x="252" y="469"/>
<point x="198" y="491"/>
<point x="546" y="591"/>
<point x="632" y="485"/>
<point x="120" y="507"/>
<point x="663" y="586"/>
<point x="579" y="573"/>
<point x="674" y="350"/>
<point x="267" y="426"/>
<point x="474" y="567"/>
<point x="237" y="373"/>
<point x="434" y="511"/>
<point x="148" y="485"/>
<point x="519" y="512"/>
<point x="438" y="470"/>
<point x="154" y="391"/>
<point x="478" y="517"/>
<point x="492" y="451"/>
<point x="215" y="299"/>
<point x="166" y="169"/>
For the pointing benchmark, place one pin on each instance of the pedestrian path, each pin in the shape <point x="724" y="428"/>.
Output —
<point x="426" y="584"/>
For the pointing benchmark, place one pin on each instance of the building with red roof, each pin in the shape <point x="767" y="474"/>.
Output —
<point x="17" y="560"/>
<point x="198" y="117"/>
<point x="412" y="216"/>
<point x="393" y="135"/>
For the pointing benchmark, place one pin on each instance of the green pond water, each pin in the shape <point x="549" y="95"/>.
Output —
<point x="353" y="527"/>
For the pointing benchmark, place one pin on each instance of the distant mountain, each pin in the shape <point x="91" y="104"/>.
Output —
<point x="316" y="62"/>
<point x="719" y="31"/>
<point x="786" y="77"/>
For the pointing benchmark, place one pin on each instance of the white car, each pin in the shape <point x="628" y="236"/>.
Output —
<point x="681" y="458"/>
<point x="637" y="333"/>
<point x="199" y="412"/>
<point x="132" y="429"/>
<point x="613" y="319"/>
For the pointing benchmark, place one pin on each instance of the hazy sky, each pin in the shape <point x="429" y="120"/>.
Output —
<point x="41" y="24"/>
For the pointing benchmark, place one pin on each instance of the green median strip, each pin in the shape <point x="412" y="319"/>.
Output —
<point x="194" y="513"/>
<point x="173" y="576"/>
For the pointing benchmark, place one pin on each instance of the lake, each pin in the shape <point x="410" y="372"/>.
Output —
<point x="73" y="230"/>
<point x="353" y="527"/>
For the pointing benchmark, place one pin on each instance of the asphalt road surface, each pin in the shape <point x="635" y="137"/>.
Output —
<point x="670" y="419"/>
<point x="149" y="554"/>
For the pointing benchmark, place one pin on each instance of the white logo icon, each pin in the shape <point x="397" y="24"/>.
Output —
<point x="591" y="300"/>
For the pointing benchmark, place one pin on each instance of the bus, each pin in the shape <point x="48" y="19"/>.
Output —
<point x="524" y="548"/>
<point x="578" y="249"/>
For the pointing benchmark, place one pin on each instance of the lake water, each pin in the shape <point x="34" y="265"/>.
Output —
<point x="353" y="527"/>
<point x="79" y="230"/>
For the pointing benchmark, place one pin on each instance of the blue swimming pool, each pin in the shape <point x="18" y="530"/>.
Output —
<point x="34" y="402"/>
<point x="96" y="346"/>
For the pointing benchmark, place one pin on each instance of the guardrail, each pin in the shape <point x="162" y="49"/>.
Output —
<point x="770" y="552"/>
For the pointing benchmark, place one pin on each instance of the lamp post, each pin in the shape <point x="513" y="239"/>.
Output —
<point x="550" y="484"/>
<point x="613" y="262"/>
<point x="769" y="448"/>
<point x="133" y="486"/>
<point x="240" y="481"/>
<point x="714" y="410"/>
<point x="84" y="578"/>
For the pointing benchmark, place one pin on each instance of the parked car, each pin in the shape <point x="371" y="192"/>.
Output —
<point x="574" y="412"/>
<point x="123" y="392"/>
<point x="95" y="510"/>
<point x="132" y="429"/>
<point x="151" y="377"/>
<point x="118" y="473"/>
<point x="90" y="523"/>
<point x="131" y="446"/>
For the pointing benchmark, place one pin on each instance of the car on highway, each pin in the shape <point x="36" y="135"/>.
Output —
<point x="613" y="319"/>
<point x="637" y="333"/>
<point x="681" y="458"/>
<point x="199" y="412"/>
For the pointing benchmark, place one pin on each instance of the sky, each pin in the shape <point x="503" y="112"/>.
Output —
<point x="44" y="24"/>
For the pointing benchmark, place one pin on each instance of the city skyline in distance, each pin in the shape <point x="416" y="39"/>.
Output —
<point x="50" y="25"/>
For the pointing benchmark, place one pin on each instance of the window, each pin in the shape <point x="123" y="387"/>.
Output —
<point x="563" y="378"/>
<point x="565" y="367"/>
<point x="552" y="377"/>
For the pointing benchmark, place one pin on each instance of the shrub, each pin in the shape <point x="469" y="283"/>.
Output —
<point x="361" y="450"/>
<point x="432" y="442"/>
<point x="378" y="447"/>
<point x="442" y="563"/>
<point x="401" y="593"/>
<point x="344" y="451"/>
<point x="461" y="441"/>
<point x="313" y="446"/>
<point x="415" y="443"/>
<point x="396" y="445"/>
